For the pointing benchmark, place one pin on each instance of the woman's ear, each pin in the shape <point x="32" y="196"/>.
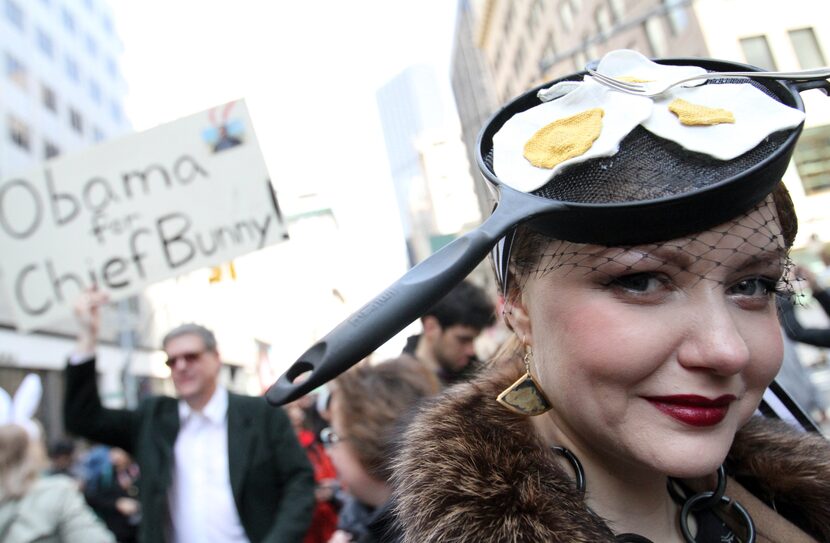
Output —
<point x="516" y="315"/>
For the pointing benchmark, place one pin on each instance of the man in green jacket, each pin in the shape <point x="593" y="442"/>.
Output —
<point x="215" y="466"/>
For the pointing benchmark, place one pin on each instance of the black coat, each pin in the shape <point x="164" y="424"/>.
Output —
<point x="818" y="337"/>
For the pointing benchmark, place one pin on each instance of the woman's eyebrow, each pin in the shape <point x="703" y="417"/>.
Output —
<point x="675" y="255"/>
<point x="631" y="256"/>
<point x="770" y="257"/>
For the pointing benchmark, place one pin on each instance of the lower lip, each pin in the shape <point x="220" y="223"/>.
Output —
<point x="693" y="415"/>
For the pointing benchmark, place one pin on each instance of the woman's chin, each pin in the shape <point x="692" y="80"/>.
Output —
<point x="691" y="456"/>
<point x="691" y="465"/>
<point x="695" y="472"/>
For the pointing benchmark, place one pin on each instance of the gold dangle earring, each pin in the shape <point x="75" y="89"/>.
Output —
<point x="524" y="396"/>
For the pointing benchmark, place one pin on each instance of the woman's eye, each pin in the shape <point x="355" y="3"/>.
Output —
<point x="640" y="283"/>
<point x="756" y="286"/>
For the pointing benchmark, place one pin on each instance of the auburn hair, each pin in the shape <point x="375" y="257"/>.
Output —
<point x="374" y="401"/>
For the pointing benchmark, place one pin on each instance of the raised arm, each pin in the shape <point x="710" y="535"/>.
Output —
<point x="83" y="413"/>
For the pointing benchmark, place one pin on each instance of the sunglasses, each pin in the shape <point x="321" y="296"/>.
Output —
<point x="188" y="357"/>
<point x="329" y="437"/>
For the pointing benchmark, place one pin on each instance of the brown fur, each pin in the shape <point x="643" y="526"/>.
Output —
<point x="471" y="471"/>
<point x="789" y="466"/>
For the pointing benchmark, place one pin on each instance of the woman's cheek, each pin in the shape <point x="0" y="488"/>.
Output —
<point x="615" y="340"/>
<point x="767" y="354"/>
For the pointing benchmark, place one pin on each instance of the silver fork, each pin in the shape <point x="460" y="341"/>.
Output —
<point x="655" y="88"/>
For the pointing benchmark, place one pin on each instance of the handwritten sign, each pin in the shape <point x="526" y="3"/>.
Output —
<point x="127" y="213"/>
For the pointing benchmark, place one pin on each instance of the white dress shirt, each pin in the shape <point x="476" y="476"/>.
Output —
<point x="202" y="508"/>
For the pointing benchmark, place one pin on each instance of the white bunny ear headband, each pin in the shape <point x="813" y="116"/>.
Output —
<point x="20" y="409"/>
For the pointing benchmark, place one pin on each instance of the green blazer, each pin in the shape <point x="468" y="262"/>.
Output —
<point x="271" y="478"/>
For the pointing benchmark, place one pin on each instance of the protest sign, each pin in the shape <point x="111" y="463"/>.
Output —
<point x="130" y="212"/>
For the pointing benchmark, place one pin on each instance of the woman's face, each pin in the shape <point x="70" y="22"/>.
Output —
<point x="654" y="356"/>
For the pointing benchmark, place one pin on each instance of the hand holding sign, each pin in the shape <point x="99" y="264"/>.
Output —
<point x="88" y="316"/>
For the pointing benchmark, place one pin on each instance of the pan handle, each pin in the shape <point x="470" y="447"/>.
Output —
<point x="406" y="300"/>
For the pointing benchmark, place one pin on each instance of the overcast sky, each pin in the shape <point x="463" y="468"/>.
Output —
<point x="308" y="72"/>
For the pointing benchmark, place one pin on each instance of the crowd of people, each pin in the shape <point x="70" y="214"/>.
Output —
<point x="212" y="465"/>
<point x="65" y="496"/>
<point x="624" y="405"/>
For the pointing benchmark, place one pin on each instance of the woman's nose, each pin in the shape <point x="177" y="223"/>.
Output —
<point x="714" y="340"/>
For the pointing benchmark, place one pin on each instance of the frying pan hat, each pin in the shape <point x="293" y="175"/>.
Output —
<point x="633" y="169"/>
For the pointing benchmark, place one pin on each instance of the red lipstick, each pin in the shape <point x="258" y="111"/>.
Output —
<point x="692" y="409"/>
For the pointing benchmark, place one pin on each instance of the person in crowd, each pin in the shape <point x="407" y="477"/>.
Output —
<point x="316" y="412"/>
<point x="623" y="407"/>
<point x="796" y="380"/>
<point x="793" y="376"/>
<point x="369" y="407"/>
<point x="215" y="466"/>
<point x="450" y="328"/>
<point x="35" y="508"/>
<point x="818" y="337"/>
<point x="62" y="457"/>
<point x="111" y="489"/>
<point x="324" y="520"/>
<point x="823" y="276"/>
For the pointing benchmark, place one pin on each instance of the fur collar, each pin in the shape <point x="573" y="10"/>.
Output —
<point x="470" y="470"/>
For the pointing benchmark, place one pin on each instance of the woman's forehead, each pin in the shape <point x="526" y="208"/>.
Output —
<point x="756" y="233"/>
<point x="752" y="239"/>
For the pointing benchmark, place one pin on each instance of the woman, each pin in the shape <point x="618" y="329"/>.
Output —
<point x="47" y="509"/>
<point x="632" y="377"/>
<point x="369" y="405"/>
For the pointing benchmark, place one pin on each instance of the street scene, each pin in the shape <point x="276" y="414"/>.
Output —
<point x="481" y="270"/>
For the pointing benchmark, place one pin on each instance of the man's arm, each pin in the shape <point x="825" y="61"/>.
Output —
<point x="821" y="290"/>
<point x="297" y="503"/>
<point x="823" y="299"/>
<point x="819" y="337"/>
<point x="82" y="410"/>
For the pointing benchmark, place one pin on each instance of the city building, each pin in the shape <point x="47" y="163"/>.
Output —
<point x="61" y="87"/>
<point x="529" y="42"/>
<point x="432" y="183"/>
<point x="452" y="208"/>
<point x="475" y="96"/>
<point x="777" y="37"/>
<point x="61" y="90"/>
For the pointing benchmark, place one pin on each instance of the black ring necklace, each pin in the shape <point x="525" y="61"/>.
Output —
<point x="697" y="502"/>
